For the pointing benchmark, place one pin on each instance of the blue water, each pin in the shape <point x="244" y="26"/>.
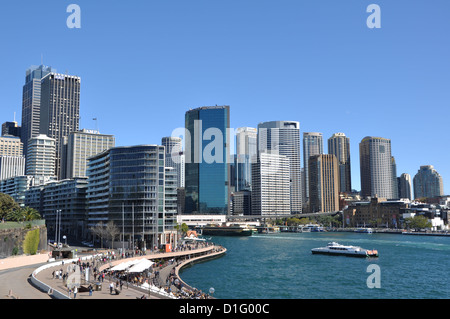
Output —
<point x="281" y="266"/>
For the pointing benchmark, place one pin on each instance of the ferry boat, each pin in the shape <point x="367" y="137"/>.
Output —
<point x="334" y="248"/>
<point x="364" y="230"/>
<point x="227" y="230"/>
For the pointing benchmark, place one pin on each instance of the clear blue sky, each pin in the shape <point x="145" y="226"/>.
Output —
<point x="143" y="64"/>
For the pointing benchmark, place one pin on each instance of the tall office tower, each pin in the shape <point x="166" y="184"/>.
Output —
<point x="339" y="146"/>
<point x="394" y="178"/>
<point x="175" y="157"/>
<point x="170" y="190"/>
<point x="40" y="161"/>
<point x="270" y="185"/>
<point x="246" y="148"/>
<point x="428" y="183"/>
<point x="126" y="185"/>
<point x="207" y="160"/>
<point x="11" y="129"/>
<point x="82" y="145"/>
<point x="376" y="167"/>
<point x="284" y="137"/>
<point x="312" y="145"/>
<point x="11" y="146"/>
<point x="31" y="102"/>
<point x="323" y="183"/>
<point x="404" y="186"/>
<point x="60" y="110"/>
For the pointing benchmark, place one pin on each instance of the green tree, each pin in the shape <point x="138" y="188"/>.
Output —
<point x="418" y="222"/>
<point x="7" y="205"/>
<point x="30" y="213"/>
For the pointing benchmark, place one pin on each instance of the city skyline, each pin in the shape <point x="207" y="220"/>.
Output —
<point x="358" y="81"/>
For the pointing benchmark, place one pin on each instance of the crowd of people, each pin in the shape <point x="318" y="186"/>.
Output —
<point x="90" y="274"/>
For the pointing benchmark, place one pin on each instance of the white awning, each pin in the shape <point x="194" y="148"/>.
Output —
<point x="141" y="266"/>
<point x="125" y="265"/>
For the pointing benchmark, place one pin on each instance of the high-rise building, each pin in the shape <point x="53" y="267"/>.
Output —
<point x="246" y="148"/>
<point x="428" y="183"/>
<point x="11" y="146"/>
<point x="59" y="110"/>
<point x="312" y="145"/>
<point x="31" y="102"/>
<point x="82" y="145"/>
<point x="376" y="167"/>
<point x="40" y="161"/>
<point x="323" y="183"/>
<point x="394" y="178"/>
<point x="11" y="129"/>
<point x="175" y="157"/>
<point x="270" y="185"/>
<point x="11" y="166"/>
<point x="126" y="185"/>
<point x="339" y="146"/>
<point x="404" y="186"/>
<point x="207" y="160"/>
<point x="284" y="138"/>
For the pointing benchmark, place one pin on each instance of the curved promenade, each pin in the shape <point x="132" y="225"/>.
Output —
<point x="43" y="279"/>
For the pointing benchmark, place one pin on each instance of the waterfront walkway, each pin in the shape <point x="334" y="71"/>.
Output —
<point x="167" y="268"/>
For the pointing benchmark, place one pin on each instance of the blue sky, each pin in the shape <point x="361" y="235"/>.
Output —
<point x="143" y="64"/>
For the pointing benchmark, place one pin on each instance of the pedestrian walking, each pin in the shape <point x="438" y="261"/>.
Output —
<point x="75" y="290"/>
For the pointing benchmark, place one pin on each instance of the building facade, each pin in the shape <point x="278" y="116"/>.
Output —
<point x="207" y="160"/>
<point x="428" y="183"/>
<point x="31" y="102"/>
<point x="11" y="146"/>
<point x="404" y="186"/>
<point x="80" y="146"/>
<point x="323" y="183"/>
<point x="11" y="166"/>
<point x="271" y="185"/>
<point x="41" y="157"/>
<point x="126" y="186"/>
<point x="246" y="149"/>
<point x="283" y="137"/>
<point x="376" y="168"/>
<point x="339" y="146"/>
<point x="312" y="145"/>
<point x="175" y="157"/>
<point x="59" y="110"/>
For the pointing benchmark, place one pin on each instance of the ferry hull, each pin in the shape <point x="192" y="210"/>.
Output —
<point x="341" y="254"/>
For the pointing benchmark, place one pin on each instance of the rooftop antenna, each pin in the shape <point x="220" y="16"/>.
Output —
<point x="14" y="116"/>
<point x="42" y="59"/>
<point x="96" y="124"/>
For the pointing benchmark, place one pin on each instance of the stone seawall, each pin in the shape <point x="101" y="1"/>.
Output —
<point x="11" y="240"/>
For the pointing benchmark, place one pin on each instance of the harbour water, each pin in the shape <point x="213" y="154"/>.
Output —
<point x="281" y="266"/>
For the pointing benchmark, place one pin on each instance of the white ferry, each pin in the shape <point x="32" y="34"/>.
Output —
<point x="334" y="248"/>
<point x="364" y="230"/>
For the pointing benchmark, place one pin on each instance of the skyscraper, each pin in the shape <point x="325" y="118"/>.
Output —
<point x="312" y="145"/>
<point x="339" y="146"/>
<point x="80" y="146"/>
<point x="40" y="161"/>
<point x="270" y="185"/>
<point x="246" y="139"/>
<point x="175" y="157"/>
<point x="59" y="110"/>
<point x="428" y="183"/>
<point x="323" y="183"/>
<point x="404" y="186"/>
<point x="284" y="138"/>
<point x="31" y="102"/>
<point x="376" y="167"/>
<point x="207" y="160"/>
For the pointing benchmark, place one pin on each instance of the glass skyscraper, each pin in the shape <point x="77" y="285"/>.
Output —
<point x="428" y="183"/>
<point x="207" y="160"/>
